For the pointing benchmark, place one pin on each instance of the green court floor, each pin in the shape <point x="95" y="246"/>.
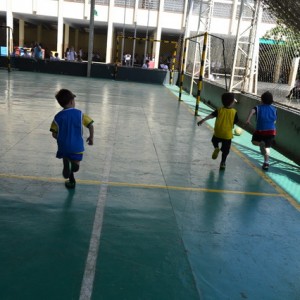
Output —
<point x="152" y="217"/>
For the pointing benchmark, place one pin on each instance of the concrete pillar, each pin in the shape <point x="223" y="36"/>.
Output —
<point x="187" y="27"/>
<point x="21" y="32"/>
<point x="34" y="6"/>
<point x="294" y="71"/>
<point x="233" y="21"/>
<point x="39" y="33"/>
<point x="87" y="8"/>
<point x="185" y="12"/>
<point x="10" y="24"/>
<point x="110" y="33"/>
<point x="60" y="30"/>
<point x="279" y="61"/>
<point x="157" y="35"/>
<point x="76" y="40"/>
<point x="67" y="35"/>
<point x="136" y="7"/>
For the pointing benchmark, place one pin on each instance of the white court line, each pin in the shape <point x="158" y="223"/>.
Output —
<point x="91" y="261"/>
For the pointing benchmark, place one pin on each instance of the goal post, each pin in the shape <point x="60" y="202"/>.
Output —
<point x="134" y="46"/>
<point x="6" y="45"/>
<point x="203" y="57"/>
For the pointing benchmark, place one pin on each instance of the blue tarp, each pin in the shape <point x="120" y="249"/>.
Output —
<point x="271" y="42"/>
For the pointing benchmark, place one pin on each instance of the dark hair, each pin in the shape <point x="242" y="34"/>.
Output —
<point x="267" y="98"/>
<point x="227" y="99"/>
<point x="64" y="97"/>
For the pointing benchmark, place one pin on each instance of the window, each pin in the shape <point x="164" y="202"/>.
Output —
<point x="222" y="10"/>
<point x="196" y="8"/>
<point x="123" y="3"/>
<point x="174" y="6"/>
<point x="78" y="1"/>
<point x="149" y="4"/>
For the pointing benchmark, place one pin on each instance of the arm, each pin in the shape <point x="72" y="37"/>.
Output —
<point x="252" y="112"/>
<point x="88" y="122"/>
<point x="54" y="129"/>
<point x="236" y="118"/>
<point x="90" y="139"/>
<point x="211" y="116"/>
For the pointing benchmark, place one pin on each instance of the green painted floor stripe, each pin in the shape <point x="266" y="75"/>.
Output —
<point x="187" y="102"/>
<point x="145" y="186"/>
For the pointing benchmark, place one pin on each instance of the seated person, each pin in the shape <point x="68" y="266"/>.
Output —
<point x="146" y="64"/>
<point x="295" y="91"/>
<point x="55" y="57"/>
<point x="26" y="54"/>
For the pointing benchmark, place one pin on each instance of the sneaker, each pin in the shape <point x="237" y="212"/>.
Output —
<point x="265" y="166"/>
<point x="70" y="184"/>
<point x="215" y="153"/>
<point x="222" y="166"/>
<point x="262" y="147"/>
<point x="67" y="168"/>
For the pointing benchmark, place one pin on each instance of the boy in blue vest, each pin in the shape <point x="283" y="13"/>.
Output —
<point x="264" y="135"/>
<point x="67" y="129"/>
<point x="226" y="117"/>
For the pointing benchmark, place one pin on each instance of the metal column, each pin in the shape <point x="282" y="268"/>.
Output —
<point x="245" y="59"/>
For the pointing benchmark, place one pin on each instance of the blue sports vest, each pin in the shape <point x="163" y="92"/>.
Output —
<point x="70" y="130"/>
<point x="265" y="117"/>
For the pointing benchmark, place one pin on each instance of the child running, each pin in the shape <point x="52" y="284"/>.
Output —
<point x="264" y="135"/>
<point x="67" y="129"/>
<point x="226" y="117"/>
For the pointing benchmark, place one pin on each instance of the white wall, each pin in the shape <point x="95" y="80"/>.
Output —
<point x="73" y="10"/>
<point x="171" y="20"/>
<point x="24" y="6"/>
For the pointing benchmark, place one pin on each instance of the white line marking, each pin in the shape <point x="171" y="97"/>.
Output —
<point x="90" y="266"/>
<point x="91" y="261"/>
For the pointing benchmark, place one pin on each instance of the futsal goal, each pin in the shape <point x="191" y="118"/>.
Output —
<point x="6" y="47"/>
<point x="135" y="51"/>
<point x="203" y="57"/>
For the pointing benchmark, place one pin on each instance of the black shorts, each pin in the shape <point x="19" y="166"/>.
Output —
<point x="225" y="148"/>
<point x="268" y="139"/>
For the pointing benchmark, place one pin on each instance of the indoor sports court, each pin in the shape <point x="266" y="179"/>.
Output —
<point x="152" y="217"/>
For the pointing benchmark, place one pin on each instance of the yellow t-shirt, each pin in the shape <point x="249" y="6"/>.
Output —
<point x="224" y="123"/>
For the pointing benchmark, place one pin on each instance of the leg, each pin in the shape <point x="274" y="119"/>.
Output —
<point x="292" y="93"/>
<point x="71" y="183"/>
<point x="268" y="141"/>
<point x="259" y="140"/>
<point x="266" y="155"/>
<point x="255" y="143"/>
<point x="215" y="141"/>
<point x="67" y="167"/>
<point x="226" y="144"/>
<point x="75" y="165"/>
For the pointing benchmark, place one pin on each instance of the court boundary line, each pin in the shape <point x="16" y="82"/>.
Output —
<point x="87" y="284"/>
<point x="141" y="185"/>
